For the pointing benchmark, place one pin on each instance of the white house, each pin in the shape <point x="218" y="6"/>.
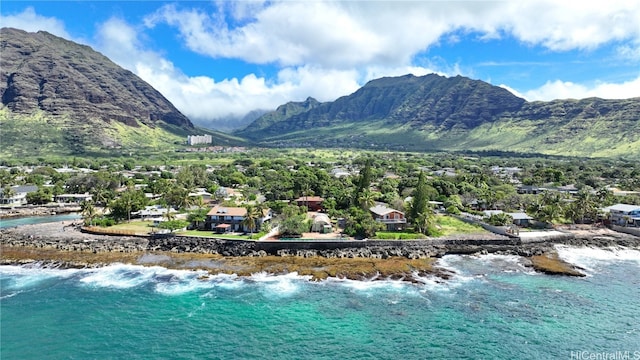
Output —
<point x="624" y="214"/>
<point x="17" y="194"/>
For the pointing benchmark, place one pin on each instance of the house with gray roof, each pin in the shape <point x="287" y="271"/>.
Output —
<point x="17" y="194"/>
<point x="624" y="214"/>
<point x="392" y="218"/>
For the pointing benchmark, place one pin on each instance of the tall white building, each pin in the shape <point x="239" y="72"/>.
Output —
<point x="198" y="139"/>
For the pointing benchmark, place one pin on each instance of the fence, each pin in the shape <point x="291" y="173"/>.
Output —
<point x="107" y="231"/>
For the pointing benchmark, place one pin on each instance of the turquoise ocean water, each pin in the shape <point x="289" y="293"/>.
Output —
<point x="11" y="222"/>
<point x="494" y="308"/>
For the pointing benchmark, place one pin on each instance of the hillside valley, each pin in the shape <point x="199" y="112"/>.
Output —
<point x="433" y="112"/>
<point x="62" y="97"/>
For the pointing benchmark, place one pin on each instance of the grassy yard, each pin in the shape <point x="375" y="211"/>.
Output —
<point x="138" y="226"/>
<point x="448" y="225"/>
<point x="390" y="235"/>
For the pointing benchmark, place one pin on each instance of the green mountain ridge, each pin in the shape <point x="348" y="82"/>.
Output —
<point x="433" y="112"/>
<point x="65" y="98"/>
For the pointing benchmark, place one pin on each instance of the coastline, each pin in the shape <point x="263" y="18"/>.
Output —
<point x="62" y="245"/>
<point x="27" y="211"/>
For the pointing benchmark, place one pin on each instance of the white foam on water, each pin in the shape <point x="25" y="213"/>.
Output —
<point x="279" y="285"/>
<point x="23" y="277"/>
<point x="11" y="294"/>
<point x="184" y="283"/>
<point x="123" y="276"/>
<point x="592" y="259"/>
<point x="368" y="285"/>
<point x="468" y="267"/>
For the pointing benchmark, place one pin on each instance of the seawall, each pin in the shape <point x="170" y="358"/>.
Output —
<point x="60" y="237"/>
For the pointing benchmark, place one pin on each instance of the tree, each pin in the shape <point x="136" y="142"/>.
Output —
<point x="294" y="225"/>
<point x="169" y="215"/>
<point x="173" y="225"/>
<point x="40" y="197"/>
<point x="422" y="223"/>
<point x="197" y="217"/>
<point x="364" y="181"/>
<point x="178" y="197"/>
<point x="360" y="223"/>
<point x="500" y="219"/>
<point x="8" y="192"/>
<point x="366" y="200"/>
<point x="129" y="200"/>
<point x="88" y="211"/>
<point x="420" y="200"/>
<point x="252" y="217"/>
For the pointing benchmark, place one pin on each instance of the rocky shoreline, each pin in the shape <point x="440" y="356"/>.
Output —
<point x="64" y="245"/>
<point x="27" y="211"/>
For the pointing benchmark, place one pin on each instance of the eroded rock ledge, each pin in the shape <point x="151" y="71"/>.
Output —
<point x="62" y="245"/>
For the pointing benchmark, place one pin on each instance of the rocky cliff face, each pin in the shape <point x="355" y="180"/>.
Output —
<point x="434" y="112"/>
<point x="42" y="72"/>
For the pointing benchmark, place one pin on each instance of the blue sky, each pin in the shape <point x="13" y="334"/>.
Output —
<point x="220" y="59"/>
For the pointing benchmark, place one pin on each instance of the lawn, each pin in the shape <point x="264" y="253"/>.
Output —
<point x="448" y="225"/>
<point x="139" y="226"/>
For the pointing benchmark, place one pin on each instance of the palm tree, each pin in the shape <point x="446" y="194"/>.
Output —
<point x="250" y="220"/>
<point x="366" y="199"/>
<point x="169" y="215"/>
<point x="88" y="211"/>
<point x="8" y="193"/>
<point x="198" y="202"/>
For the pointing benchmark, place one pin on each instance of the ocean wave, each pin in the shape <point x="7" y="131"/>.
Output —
<point x="468" y="267"/>
<point x="593" y="259"/>
<point x="123" y="276"/>
<point x="279" y="285"/>
<point x="27" y="276"/>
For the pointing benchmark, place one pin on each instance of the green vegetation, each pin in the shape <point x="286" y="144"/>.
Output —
<point x="266" y="178"/>
<point x="447" y="226"/>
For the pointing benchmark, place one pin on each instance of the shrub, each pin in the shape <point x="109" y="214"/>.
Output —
<point x="453" y="210"/>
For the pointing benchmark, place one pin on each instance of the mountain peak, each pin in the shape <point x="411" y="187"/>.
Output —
<point x="43" y="72"/>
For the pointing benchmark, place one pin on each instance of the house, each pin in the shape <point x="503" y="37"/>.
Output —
<point x="153" y="212"/>
<point x="17" y="194"/>
<point x="393" y="219"/>
<point x="203" y="193"/>
<point x="72" y="198"/>
<point x="520" y="218"/>
<point x="530" y="189"/>
<point x="313" y="203"/>
<point x="222" y="219"/>
<point x="227" y="194"/>
<point x="624" y="214"/>
<point x="340" y="173"/>
<point x="321" y="223"/>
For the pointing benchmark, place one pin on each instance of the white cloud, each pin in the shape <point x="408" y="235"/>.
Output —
<point x="568" y="90"/>
<point x="351" y="33"/>
<point x="327" y="49"/>
<point x="202" y="98"/>
<point x="29" y="21"/>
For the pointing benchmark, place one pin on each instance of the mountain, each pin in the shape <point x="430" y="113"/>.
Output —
<point x="63" y="97"/>
<point x="434" y="112"/>
<point x="231" y="123"/>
